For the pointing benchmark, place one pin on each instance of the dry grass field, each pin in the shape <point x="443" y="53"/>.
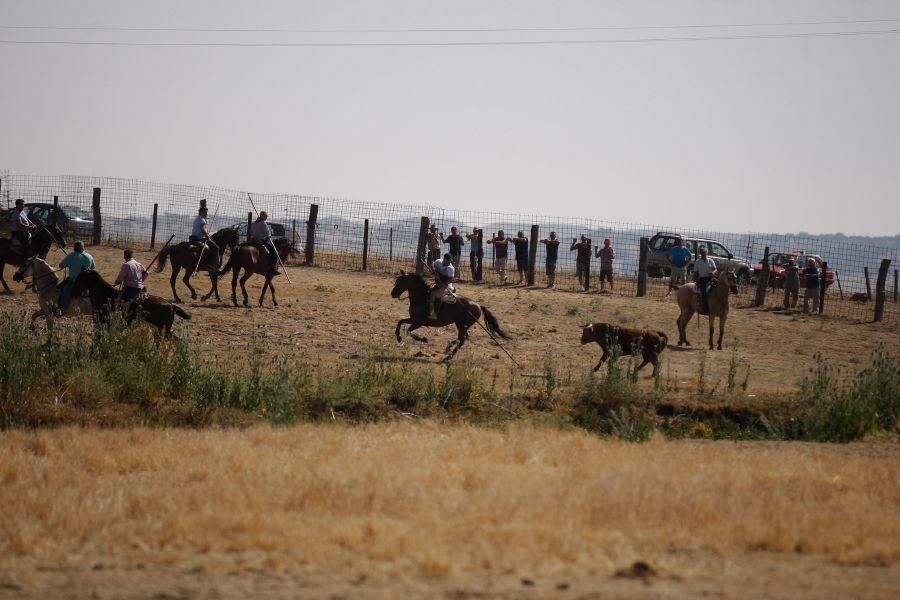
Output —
<point x="432" y="508"/>
<point x="428" y="510"/>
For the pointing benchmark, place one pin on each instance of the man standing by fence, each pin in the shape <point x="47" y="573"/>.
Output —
<point x="501" y="247"/>
<point x="476" y="253"/>
<point x="455" y="241"/>
<point x="791" y="283"/>
<point x="811" y="275"/>
<point x="521" y="244"/>
<point x="552" y="255"/>
<point x="434" y="240"/>
<point x="606" y="256"/>
<point x="582" y="259"/>
<point x="679" y="257"/>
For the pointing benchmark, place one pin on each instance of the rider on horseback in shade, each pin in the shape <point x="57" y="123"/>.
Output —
<point x="259" y="237"/>
<point x="76" y="262"/>
<point x="22" y="228"/>
<point x="200" y="234"/>
<point x="704" y="269"/>
<point x="131" y="276"/>
<point x="444" y="272"/>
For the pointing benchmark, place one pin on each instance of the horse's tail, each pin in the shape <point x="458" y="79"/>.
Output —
<point x="492" y="323"/>
<point x="163" y="257"/>
<point x="232" y="257"/>
<point x="181" y="312"/>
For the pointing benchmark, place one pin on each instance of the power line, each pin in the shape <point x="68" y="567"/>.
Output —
<point x="445" y="29"/>
<point x="461" y="43"/>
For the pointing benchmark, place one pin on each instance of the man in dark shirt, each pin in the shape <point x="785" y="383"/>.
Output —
<point x="521" y="244"/>
<point x="501" y="252"/>
<point x="552" y="254"/>
<point x="582" y="260"/>
<point x="811" y="275"/>
<point x="476" y="252"/>
<point x="455" y="241"/>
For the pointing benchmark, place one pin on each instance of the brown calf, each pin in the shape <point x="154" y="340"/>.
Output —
<point x="650" y="343"/>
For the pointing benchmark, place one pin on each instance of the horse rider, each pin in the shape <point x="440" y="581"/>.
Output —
<point x="131" y="276"/>
<point x="200" y="234"/>
<point x="704" y="269"/>
<point x="76" y="261"/>
<point x="22" y="227"/>
<point x="259" y="237"/>
<point x="444" y="272"/>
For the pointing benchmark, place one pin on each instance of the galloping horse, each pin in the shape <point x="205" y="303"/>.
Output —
<point x="186" y="256"/>
<point x="249" y="258"/>
<point x="154" y="310"/>
<point x="41" y="242"/>
<point x="44" y="282"/>
<point x="689" y="303"/>
<point x="463" y="313"/>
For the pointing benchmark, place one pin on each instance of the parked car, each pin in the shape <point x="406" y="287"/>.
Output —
<point x="72" y="220"/>
<point x="275" y="229"/>
<point x="658" y="264"/>
<point x="777" y="262"/>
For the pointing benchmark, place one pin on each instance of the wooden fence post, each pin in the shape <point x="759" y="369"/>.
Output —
<point x="642" y="267"/>
<point x="249" y="224"/>
<point x="54" y="216"/>
<point x="311" y="234"/>
<point x="868" y="284"/>
<point x="153" y="226"/>
<point x="823" y="277"/>
<point x="895" y="286"/>
<point x="532" y="253"/>
<point x="880" y="285"/>
<point x="762" y="282"/>
<point x="421" y="246"/>
<point x="478" y="250"/>
<point x="293" y="233"/>
<point x="365" y="245"/>
<point x="98" y="229"/>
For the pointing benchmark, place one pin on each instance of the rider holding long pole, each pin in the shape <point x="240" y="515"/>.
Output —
<point x="200" y="232"/>
<point x="259" y="233"/>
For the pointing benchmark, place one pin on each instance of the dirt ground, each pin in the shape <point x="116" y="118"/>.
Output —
<point x="335" y="316"/>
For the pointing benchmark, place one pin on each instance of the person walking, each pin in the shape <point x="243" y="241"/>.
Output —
<point x="501" y="247"/>
<point x="521" y="245"/>
<point x="131" y="276"/>
<point x="552" y="245"/>
<point x="704" y="269"/>
<point x="76" y="261"/>
<point x="606" y="256"/>
<point x="456" y="242"/>
<point x="791" y="283"/>
<point x="582" y="259"/>
<point x="678" y="257"/>
<point x="811" y="277"/>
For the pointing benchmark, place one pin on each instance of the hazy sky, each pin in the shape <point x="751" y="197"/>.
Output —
<point x="777" y="134"/>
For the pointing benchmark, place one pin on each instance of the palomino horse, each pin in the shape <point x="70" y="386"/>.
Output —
<point x="463" y="313"/>
<point x="187" y="256"/>
<point x="41" y="242"/>
<point x="44" y="282"/>
<point x="249" y="258"/>
<point x="689" y="303"/>
<point x="154" y="310"/>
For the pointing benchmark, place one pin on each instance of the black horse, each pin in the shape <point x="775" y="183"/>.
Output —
<point x="41" y="242"/>
<point x="154" y="310"/>
<point x="463" y="313"/>
<point x="187" y="256"/>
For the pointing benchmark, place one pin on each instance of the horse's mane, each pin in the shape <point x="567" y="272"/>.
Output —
<point x="100" y="279"/>
<point x="417" y="278"/>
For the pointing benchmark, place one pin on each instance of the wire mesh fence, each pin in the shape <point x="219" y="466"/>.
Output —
<point x="384" y="238"/>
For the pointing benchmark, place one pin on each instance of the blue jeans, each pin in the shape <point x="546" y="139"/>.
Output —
<point x="128" y="294"/>
<point x="65" y="294"/>
<point x="211" y="246"/>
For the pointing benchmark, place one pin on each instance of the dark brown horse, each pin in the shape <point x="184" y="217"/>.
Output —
<point x="463" y="313"/>
<point x="250" y="259"/>
<point x="186" y="256"/>
<point x="154" y="310"/>
<point x="689" y="303"/>
<point x="41" y="242"/>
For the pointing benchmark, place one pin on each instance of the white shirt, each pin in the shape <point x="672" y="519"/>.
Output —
<point x="444" y="270"/>
<point x="704" y="268"/>
<point x="197" y="231"/>
<point x="18" y="218"/>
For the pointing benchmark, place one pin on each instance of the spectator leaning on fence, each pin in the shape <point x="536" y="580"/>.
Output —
<point x="455" y="241"/>
<point x="552" y="254"/>
<point x="679" y="257"/>
<point x="521" y="244"/>
<point x="811" y="275"/>
<point x="582" y="259"/>
<point x="606" y="254"/>
<point x="475" y="255"/>
<point x="791" y="283"/>
<point x="434" y="244"/>
<point x="501" y="246"/>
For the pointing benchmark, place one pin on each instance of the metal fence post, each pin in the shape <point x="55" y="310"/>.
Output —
<point x="880" y="285"/>
<point x="98" y="229"/>
<point x="868" y="284"/>
<point x="420" y="246"/>
<point x="762" y="281"/>
<point x="153" y="227"/>
<point x="365" y="245"/>
<point x="532" y="252"/>
<point x="642" y="267"/>
<point x="311" y="234"/>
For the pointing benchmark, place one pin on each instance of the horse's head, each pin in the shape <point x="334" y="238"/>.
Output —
<point x="26" y="270"/>
<point x="48" y="234"/>
<point x="227" y="237"/>
<point x="404" y="283"/>
<point x="729" y="279"/>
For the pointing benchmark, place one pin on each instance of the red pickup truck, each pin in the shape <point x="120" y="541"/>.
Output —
<point x="777" y="262"/>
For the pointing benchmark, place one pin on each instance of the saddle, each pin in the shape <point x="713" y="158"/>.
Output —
<point x="449" y="295"/>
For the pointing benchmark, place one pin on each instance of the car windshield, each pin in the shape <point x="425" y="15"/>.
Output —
<point x="76" y="212"/>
